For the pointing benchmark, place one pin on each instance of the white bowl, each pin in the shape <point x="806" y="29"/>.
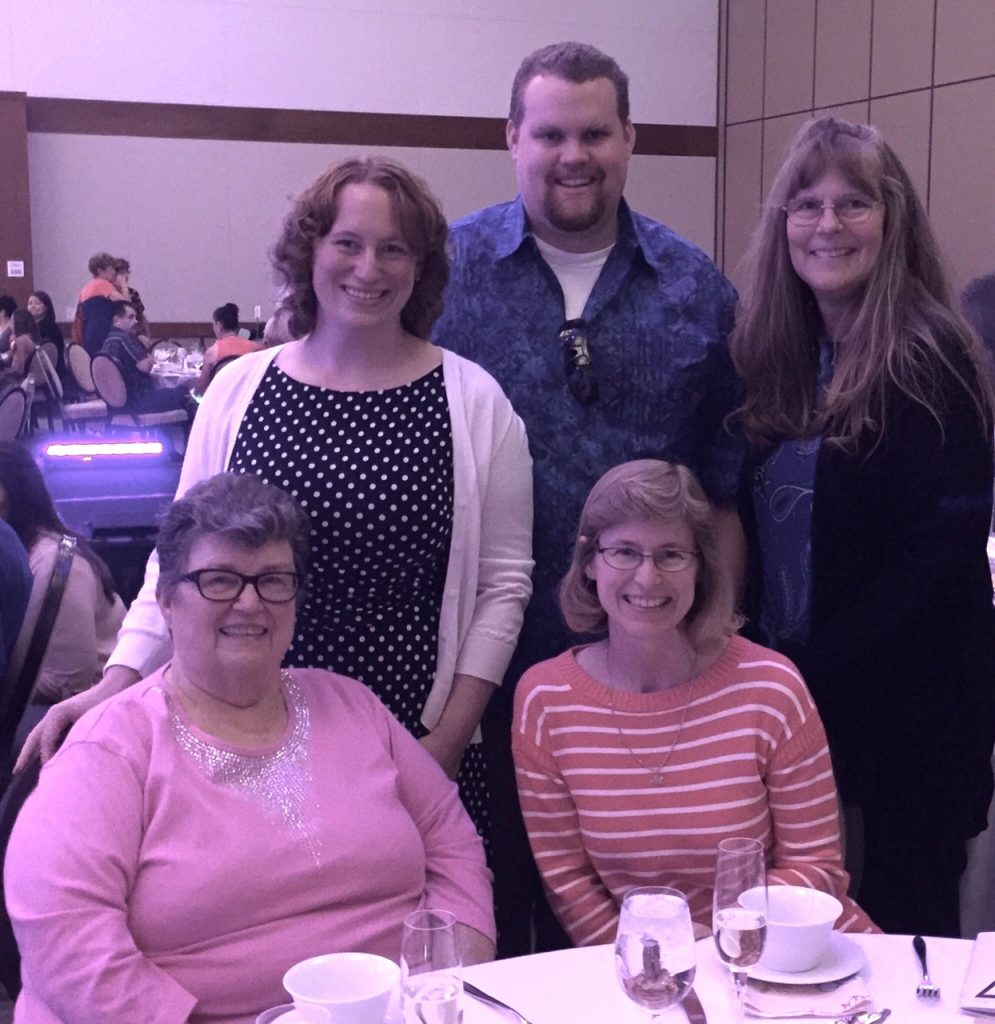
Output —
<point x="799" y="923"/>
<point x="354" y="987"/>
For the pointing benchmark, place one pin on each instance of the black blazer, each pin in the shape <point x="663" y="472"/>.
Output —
<point x="901" y="653"/>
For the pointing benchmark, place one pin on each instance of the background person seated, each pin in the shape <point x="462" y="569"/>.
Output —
<point x="24" y="339"/>
<point x="135" y="361"/>
<point x="227" y="344"/>
<point x="636" y="754"/>
<point x="40" y="306"/>
<point x="7" y="306"/>
<point x="223" y="819"/>
<point x="91" y="611"/>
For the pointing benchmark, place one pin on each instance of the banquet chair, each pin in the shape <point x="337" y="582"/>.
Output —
<point x="220" y="363"/>
<point x="113" y="390"/>
<point x="13" y="406"/>
<point x="52" y="351"/>
<point x="79" y="365"/>
<point x="19" y="789"/>
<point x="47" y="397"/>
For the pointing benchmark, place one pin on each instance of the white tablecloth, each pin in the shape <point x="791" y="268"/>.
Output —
<point x="578" y="986"/>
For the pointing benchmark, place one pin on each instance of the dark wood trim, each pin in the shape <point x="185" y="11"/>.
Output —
<point x="173" y="329"/>
<point x="261" y="124"/>
<point x="15" y="237"/>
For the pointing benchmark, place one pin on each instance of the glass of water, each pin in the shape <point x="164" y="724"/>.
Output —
<point x="431" y="968"/>
<point x="740" y="930"/>
<point x="654" y="948"/>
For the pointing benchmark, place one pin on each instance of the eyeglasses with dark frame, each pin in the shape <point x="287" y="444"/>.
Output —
<point x="581" y="381"/>
<point x="854" y="209"/>
<point x="627" y="559"/>
<point x="227" y="585"/>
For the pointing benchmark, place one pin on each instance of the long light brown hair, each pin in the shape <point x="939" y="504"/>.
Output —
<point x="900" y="331"/>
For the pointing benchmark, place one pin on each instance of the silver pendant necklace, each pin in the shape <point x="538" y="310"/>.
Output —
<point x="655" y="774"/>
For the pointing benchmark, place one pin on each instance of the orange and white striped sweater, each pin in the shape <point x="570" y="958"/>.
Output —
<point x="750" y="760"/>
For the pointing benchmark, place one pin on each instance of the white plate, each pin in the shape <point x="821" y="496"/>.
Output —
<point x="841" y="959"/>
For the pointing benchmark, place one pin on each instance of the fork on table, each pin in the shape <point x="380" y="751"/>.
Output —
<point x="926" y="989"/>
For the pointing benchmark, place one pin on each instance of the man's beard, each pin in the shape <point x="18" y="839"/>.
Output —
<point x="575" y="220"/>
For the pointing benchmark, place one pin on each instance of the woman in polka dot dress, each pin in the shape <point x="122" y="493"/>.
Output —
<point x="409" y="460"/>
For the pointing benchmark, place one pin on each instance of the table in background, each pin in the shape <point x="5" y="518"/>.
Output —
<point x="169" y="375"/>
<point x="578" y="986"/>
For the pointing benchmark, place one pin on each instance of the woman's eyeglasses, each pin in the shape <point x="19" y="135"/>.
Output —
<point x="665" y="559"/>
<point x="227" y="585"/>
<point x="805" y="212"/>
<point x="581" y="381"/>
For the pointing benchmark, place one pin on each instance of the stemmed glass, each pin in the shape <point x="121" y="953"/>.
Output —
<point x="740" y="931"/>
<point x="654" y="948"/>
<point x="431" y="968"/>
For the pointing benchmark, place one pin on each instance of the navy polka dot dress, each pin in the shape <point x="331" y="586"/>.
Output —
<point x="374" y="472"/>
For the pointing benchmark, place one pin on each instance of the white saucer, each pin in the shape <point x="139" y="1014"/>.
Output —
<point x="842" y="958"/>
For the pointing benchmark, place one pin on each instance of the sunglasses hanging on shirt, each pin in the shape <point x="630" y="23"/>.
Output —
<point x="581" y="381"/>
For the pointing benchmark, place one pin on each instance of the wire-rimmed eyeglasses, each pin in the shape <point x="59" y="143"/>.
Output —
<point x="806" y="211"/>
<point x="581" y="381"/>
<point x="626" y="558"/>
<point x="227" y="585"/>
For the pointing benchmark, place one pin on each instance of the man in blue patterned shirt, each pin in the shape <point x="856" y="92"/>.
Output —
<point x="605" y="328"/>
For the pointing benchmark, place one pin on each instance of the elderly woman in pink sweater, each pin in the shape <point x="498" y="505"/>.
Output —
<point x="219" y="821"/>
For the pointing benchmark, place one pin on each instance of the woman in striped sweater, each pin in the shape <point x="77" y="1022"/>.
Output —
<point x="637" y="753"/>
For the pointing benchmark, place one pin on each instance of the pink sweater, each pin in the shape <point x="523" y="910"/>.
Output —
<point x="750" y="760"/>
<point x="156" y="877"/>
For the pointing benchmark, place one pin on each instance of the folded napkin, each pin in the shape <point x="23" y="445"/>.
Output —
<point x="832" y="999"/>
<point x="977" y="997"/>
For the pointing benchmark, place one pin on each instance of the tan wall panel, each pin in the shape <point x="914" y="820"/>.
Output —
<point x="745" y="60"/>
<point x="196" y="217"/>
<point x="962" y="183"/>
<point x="790" y="56"/>
<point x="743" y="197"/>
<point x="778" y="132"/>
<point x="904" y="120"/>
<point x="856" y="112"/>
<point x="965" y="39"/>
<point x="902" y="54"/>
<point x="842" y="51"/>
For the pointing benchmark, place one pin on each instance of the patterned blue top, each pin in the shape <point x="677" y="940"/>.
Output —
<point x="783" y="493"/>
<point x="657" y="321"/>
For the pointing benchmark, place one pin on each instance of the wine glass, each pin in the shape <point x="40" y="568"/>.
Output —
<point x="654" y="948"/>
<point x="431" y="968"/>
<point x="739" y="930"/>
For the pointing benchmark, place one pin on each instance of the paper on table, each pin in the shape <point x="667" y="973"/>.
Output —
<point x="834" y="999"/>
<point x="977" y="997"/>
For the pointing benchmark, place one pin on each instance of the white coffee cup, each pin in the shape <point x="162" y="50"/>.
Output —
<point x="355" y="988"/>
<point x="799" y="923"/>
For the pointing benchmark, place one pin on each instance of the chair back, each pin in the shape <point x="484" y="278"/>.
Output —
<point x="14" y="796"/>
<point x="52" y="351"/>
<point x="109" y="381"/>
<point x="219" y="364"/>
<point x="42" y="369"/>
<point x="79" y="364"/>
<point x="13" y="405"/>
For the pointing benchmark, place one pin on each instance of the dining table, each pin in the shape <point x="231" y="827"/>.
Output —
<point x="173" y="375"/>
<point x="578" y="986"/>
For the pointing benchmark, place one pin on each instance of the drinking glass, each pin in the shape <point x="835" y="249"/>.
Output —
<point x="431" y="968"/>
<point x="654" y="948"/>
<point x="739" y="932"/>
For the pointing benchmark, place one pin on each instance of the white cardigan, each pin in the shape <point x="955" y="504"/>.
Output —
<point x="488" y="579"/>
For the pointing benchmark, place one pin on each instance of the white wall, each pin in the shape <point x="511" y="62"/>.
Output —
<point x="195" y="218"/>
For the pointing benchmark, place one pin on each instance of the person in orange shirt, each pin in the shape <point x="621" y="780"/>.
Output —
<point x="226" y="345"/>
<point x="637" y="753"/>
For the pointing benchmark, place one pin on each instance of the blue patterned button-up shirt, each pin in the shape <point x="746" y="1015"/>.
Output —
<point x="657" y="321"/>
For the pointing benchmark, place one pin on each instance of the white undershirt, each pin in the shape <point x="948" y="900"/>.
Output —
<point x="576" y="271"/>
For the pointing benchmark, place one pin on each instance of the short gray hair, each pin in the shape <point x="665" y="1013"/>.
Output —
<point x="237" y="508"/>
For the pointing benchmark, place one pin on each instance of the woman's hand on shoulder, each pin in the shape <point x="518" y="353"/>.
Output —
<point x="48" y="734"/>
